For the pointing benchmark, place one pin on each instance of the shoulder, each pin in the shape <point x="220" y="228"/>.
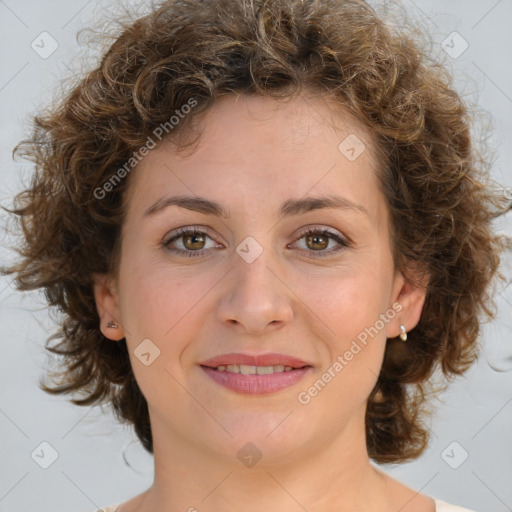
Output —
<point x="442" y="506"/>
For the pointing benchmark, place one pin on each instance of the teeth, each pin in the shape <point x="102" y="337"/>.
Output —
<point x="247" y="370"/>
<point x="266" y="370"/>
<point x="253" y="370"/>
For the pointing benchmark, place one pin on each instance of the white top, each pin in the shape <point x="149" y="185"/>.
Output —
<point x="441" y="506"/>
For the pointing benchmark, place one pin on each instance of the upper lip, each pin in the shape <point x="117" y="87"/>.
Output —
<point x="254" y="360"/>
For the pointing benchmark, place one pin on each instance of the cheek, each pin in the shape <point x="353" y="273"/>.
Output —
<point x="355" y="341"/>
<point x="162" y="304"/>
<point x="166" y="310"/>
<point x="348" y="306"/>
<point x="349" y="300"/>
<point x="360" y="338"/>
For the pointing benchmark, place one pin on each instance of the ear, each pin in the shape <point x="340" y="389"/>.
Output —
<point x="409" y="291"/>
<point x="106" y="298"/>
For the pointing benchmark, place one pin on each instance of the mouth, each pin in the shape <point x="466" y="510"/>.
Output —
<point x="255" y="375"/>
<point x="245" y="369"/>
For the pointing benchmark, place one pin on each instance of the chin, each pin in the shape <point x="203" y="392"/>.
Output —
<point x="272" y="435"/>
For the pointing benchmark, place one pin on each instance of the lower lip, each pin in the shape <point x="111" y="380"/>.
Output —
<point x="256" y="384"/>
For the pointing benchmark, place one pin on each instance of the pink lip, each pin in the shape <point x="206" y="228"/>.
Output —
<point x="256" y="384"/>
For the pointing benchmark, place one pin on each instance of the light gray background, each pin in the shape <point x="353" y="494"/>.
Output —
<point x="90" y="471"/>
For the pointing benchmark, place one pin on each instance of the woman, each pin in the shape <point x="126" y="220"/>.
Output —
<point x="266" y="227"/>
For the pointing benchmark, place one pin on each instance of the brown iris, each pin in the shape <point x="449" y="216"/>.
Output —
<point x="314" y="239"/>
<point x="194" y="238"/>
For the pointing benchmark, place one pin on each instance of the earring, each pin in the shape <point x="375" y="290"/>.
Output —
<point x="112" y="325"/>
<point x="403" y="334"/>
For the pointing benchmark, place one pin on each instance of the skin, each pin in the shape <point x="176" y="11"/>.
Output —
<point x="255" y="153"/>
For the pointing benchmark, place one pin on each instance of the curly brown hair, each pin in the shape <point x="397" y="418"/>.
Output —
<point x="436" y="183"/>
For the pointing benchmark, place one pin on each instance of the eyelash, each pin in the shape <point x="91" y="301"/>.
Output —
<point x="344" y="244"/>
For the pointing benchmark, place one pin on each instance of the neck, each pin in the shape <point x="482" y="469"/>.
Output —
<point x="327" y="474"/>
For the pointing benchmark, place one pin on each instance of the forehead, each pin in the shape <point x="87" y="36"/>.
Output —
<point x="289" y="122"/>
<point x="259" y="147"/>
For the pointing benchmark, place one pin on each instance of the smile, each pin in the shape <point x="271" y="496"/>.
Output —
<point x="255" y="380"/>
<point x="253" y="370"/>
<point x="255" y="374"/>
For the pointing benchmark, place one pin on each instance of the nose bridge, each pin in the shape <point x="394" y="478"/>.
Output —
<point x="256" y="297"/>
<point x="256" y="277"/>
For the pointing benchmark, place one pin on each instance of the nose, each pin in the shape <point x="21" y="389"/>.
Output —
<point x="257" y="299"/>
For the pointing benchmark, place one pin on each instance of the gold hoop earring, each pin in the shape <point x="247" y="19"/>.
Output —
<point x="403" y="334"/>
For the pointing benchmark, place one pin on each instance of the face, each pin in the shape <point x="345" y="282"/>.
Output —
<point x="281" y="281"/>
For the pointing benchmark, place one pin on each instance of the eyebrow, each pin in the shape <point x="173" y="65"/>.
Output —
<point x="288" y="208"/>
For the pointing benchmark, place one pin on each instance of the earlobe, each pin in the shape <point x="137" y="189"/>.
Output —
<point x="106" y="300"/>
<point x="410" y="294"/>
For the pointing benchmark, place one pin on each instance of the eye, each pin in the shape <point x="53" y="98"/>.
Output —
<point x="193" y="242"/>
<point x="317" y="239"/>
